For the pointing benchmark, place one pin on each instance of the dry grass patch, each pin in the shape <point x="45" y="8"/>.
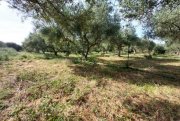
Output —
<point x="59" y="90"/>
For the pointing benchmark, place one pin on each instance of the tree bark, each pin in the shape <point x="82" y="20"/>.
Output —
<point x="86" y="54"/>
<point x="119" y="50"/>
<point x="55" y="53"/>
<point x="134" y="51"/>
<point x="119" y="53"/>
<point x="127" y="65"/>
<point x="149" y="52"/>
<point x="43" y="51"/>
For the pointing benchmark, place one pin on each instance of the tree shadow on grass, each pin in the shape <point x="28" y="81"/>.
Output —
<point x="142" y="71"/>
<point x="139" y="61"/>
<point x="50" y="56"/>
<point x="148" y="108"/>
<point x="160" y="74"/>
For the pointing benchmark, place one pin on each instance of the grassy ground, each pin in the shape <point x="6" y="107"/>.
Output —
<point x="36" y="87"/>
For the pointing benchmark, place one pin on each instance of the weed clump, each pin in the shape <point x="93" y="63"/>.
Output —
<point x="5" y="94"/>
<point x="148" y="57"/>
<point x="31" y="75"/>
<point x="3" y="106"/>
<point x="66" y="87"/>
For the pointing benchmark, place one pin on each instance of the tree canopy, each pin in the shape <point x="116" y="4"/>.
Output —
<point x="85" y="24"/>
<point x="159" y="17"/>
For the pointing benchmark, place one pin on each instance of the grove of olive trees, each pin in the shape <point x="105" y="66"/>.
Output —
<point x="87" y="60"/>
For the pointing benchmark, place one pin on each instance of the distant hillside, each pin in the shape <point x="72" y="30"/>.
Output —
<point x="11" y="45"/>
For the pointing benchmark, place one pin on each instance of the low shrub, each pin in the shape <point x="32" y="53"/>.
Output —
<point x="26" y="56"/>
<point x="148" y="57"/>
<point x="32" y="76"/>
<point x="159" y="50"/>
<point x="66" y="87"/>
<point x="6" y="53"/>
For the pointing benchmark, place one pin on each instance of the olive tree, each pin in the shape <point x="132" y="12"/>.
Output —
<point x="85" y="21"/>
<point x="34" y="43"/>
<point x="160" y="18"/>
<point x="130" y="40"/>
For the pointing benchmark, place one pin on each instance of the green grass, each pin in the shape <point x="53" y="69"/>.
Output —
<point x="34" y="87"/>
<point x="5" y="94"/>
<point x="7" y="53"/>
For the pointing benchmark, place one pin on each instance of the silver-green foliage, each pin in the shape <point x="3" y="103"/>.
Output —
<point x="6" y="53"/>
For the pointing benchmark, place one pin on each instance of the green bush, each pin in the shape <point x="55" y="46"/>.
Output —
<point x="159" y="50"/>
<point x="65" y="86"/>
<point x="148" y="57"/>
<point x="25" y="56"/>
<point x="6" y="53"/>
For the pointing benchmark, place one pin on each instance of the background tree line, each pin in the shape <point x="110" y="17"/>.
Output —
<point x="83" y="26"/>
<point x="11" y="45"/>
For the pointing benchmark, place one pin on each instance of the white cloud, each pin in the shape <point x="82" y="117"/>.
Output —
<point x="12" y="29"/>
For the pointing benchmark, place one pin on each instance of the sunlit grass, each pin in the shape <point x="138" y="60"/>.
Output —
<point x="67" y="88"/>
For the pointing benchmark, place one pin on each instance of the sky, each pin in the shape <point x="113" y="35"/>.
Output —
<point x="12" y="28"/>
